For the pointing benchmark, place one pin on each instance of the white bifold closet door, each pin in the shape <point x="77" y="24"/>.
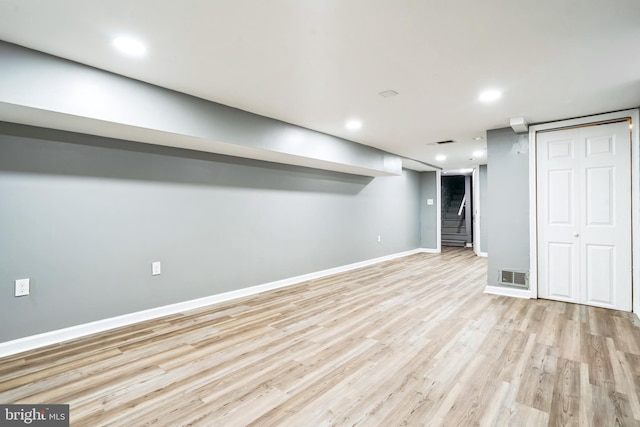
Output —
<point x="584" y="215"/>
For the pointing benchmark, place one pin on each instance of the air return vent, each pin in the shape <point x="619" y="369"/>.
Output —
<point x="514" y="278"/>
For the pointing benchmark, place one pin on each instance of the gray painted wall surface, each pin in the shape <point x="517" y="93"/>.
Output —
<point x="61" y="94"/>
<point x="428" y="214"/>
<point x="507" y="206"/>
<point x="85" y="216"/>
<point x="482" y="183"/>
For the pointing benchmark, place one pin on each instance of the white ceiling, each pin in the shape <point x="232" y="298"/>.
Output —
<point x="319" y="63"/>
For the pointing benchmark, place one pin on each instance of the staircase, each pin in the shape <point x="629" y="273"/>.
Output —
<point x="454" y="231"/>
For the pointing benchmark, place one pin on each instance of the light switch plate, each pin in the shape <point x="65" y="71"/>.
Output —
<point x="156" y="268"/>
<point x="429" y="201"/>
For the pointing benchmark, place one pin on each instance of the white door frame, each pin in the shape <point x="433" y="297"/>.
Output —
<point x="635" y="194"/>
<point x="439" y="211"/>
<point x="475" y="188"/>
<point x="474" y="214"/>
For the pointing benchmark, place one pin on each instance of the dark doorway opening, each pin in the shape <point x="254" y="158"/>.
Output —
<point x="457" y="210"/>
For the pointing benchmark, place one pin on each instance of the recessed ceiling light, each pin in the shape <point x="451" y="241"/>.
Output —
<point x="490" y="95"/>
<point x="478" y="153"/>
<point x="441" y="158"/>
<point x="478" y="138"/>
<point x="353" y="124"/>
<point x="129" y="46"/>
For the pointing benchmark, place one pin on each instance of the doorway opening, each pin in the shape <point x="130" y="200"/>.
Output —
<point x="457" y="209"/>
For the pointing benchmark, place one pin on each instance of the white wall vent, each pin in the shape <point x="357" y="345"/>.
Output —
<point x="514" y="278"/>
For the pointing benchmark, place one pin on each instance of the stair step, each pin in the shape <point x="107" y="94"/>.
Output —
<point x="453" y="243"/>
<point x="453" y="216"/>
<point x="457" y="226"/>
<point x="455" y="237"/>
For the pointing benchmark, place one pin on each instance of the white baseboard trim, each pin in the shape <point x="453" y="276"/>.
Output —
<point x="508" y="292"/>
<point x="428" y="250"/>
<point x="58" y="336"/>
<point x="483" y="254"/>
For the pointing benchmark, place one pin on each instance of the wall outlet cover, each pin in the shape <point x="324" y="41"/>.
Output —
<point x="22" y="287"/>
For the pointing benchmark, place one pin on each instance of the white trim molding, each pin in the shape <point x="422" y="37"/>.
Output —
<point x="439" y="211"/>
<point x="475" y="190"/>
<point x="483" y="254"/>
<point x="508" y="292"/>
<point x="634" y="116"/>
<point x="55" y="337"/>
<point x="429" y="250"/>
<point x="533" y="214"/>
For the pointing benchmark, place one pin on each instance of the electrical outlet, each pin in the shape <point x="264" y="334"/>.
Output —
<point x="22" y="287"/>
<point x="156" y="268"/>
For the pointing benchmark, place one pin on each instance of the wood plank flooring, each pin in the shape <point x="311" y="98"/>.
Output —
<point x="408" y="342"/>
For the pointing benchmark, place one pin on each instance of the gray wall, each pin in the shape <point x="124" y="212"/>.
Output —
<point x="84" y="217"/>
<point x="428" y="214"/>
<point x="484" y="217"/>
<point x="507" y="206"/>
<point x="47" y="91"/>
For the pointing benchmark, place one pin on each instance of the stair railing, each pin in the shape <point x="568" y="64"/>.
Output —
<point x="462" y="204"/>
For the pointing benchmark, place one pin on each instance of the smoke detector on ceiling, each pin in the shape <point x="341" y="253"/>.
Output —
<point x="448" y="141"/>
<point x="388" y="93"/>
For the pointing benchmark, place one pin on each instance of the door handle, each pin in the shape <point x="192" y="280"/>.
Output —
<point x="576" y="235"/>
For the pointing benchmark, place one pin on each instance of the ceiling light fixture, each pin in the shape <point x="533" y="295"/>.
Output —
<point x="490" y="96"/>
<point x="478" y="138"/>
<point x="129" y="46"/>
<point x="478" y="153"/>
<point x="353" y="124"/>
<point x="441" y="158"/>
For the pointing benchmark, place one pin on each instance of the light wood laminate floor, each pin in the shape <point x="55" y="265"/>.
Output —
<point x="410" y="342"/>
